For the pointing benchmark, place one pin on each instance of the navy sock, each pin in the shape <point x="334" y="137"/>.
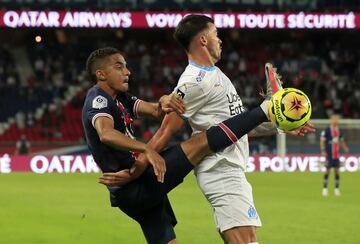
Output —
<point x="337" y="180"/>
<point x="325" y="180"/>
<point x="230" y="130"/>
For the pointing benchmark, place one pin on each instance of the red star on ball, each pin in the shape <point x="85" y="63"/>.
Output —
<point x="296" y="104"/>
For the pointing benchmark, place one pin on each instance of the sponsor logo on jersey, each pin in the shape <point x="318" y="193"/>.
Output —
<point x="180" y="93"/>
<point x="99" y="102"/>
<point x="235" y="104"/>
<point x="200" y="76"/>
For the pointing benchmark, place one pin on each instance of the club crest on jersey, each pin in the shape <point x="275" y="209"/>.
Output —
<point x="200" y="76"/>
<point x="252" y="212"/>
<point x="99" y="102"/>
<point x="180" y="93"/>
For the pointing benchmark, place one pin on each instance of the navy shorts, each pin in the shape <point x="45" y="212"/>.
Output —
<point x="333" y="163"/>
<point x="145" y="199"/>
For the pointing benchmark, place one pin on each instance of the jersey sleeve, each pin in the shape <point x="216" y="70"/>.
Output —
<point x="97" y="107"/>
<point x="193" y="95"/>
<point x="133" y="103"/>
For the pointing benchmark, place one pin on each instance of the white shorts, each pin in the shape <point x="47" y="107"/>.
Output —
<point x="230" y="195"/>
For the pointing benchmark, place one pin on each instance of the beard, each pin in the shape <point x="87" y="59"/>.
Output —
<point x="216" y="56"/>
<point x="215" y="52"/>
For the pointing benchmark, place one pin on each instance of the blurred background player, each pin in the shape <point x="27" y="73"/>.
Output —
<point x="330" y="141"/>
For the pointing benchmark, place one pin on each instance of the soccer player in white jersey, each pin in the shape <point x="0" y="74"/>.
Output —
<point x="211" y="98"/>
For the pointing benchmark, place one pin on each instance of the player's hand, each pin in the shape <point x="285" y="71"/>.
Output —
<point x="307" y="128"/>
<point x="323" y="153"/>
<point x="157" y="162"/>
<point x="172" y="103"/>
<point x="139" y="166"/>
<point x="119" y="178"/>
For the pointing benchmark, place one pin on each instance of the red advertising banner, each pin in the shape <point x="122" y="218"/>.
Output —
<point x="48" y="164"/>
<point x="85" y="164"/>
<point x="119" y="19"/>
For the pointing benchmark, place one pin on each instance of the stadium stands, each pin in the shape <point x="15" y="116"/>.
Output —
<point x="46" y="106"/>
<point x="42" y="84"/>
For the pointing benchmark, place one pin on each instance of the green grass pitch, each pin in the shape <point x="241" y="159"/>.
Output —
<point x="74" y="208"/>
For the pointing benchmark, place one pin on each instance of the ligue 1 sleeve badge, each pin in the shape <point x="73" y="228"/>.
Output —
<point x="99" y="102"/>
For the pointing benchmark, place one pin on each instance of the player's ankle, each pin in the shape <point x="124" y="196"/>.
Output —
<point x="265" y="107"/>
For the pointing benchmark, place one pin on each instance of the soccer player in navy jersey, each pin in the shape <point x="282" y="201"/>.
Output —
<point x="330" y="141"/>
<point x="138" y="190"/>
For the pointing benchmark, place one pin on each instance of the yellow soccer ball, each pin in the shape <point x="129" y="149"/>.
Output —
<point x="289" y="109"/>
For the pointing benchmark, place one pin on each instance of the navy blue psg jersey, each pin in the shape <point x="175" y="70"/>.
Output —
<point x="332" y="137"/>
<point x="122" y="111"/>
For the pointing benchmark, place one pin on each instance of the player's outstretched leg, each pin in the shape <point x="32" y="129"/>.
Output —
<point x="224" y="134"/>
<point x="229" y="131"/>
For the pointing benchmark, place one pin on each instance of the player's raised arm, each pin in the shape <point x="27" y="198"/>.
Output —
<point x="170" y="124"/>
<point x="167" y="103"/>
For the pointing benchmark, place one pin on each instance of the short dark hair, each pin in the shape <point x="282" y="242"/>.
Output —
<point x="95" y="59"/>
<point x="189" y="27"/>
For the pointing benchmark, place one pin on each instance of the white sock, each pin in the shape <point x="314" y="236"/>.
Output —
<point x="265" y="107"/>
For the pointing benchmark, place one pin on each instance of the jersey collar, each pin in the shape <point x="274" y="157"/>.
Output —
<point x="206" y="68"/>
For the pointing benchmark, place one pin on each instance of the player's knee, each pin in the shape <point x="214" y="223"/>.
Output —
<point x="196" y="148"/>
<point x="240" y="235"/>
<point x="252" y="235"/>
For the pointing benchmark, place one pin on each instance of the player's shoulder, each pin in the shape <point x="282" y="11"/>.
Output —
<point x="196" y="74"/>
<point x="97" y="98"/>
<point x="96" y="91"/>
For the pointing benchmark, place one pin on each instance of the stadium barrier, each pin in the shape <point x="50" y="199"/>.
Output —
<point x="85" y="164"/>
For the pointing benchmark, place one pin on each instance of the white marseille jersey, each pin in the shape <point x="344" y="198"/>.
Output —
<point x="211" y="98"/>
